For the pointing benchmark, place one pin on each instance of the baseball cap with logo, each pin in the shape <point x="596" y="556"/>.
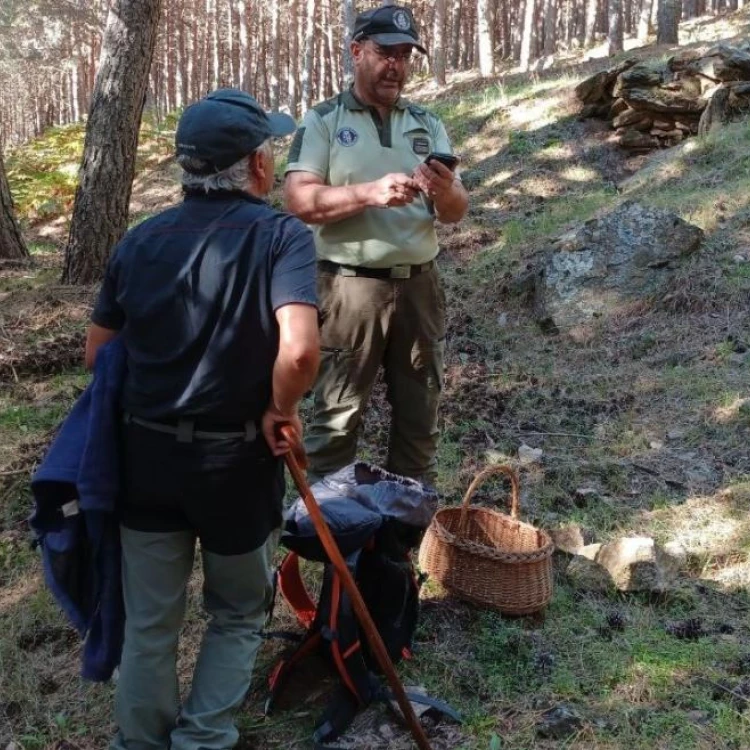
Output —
<point x="387" y="25"/>
<point x="224" y="126"/>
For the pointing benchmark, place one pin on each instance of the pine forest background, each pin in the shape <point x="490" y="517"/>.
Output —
<point x="290" y="53"/>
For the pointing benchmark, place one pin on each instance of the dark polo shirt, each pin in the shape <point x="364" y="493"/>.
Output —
<point x="194" y="291"/>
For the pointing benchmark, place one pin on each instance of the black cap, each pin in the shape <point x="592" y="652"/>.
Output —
<point x="387" y="25"/>
<point x="223" y="127"/>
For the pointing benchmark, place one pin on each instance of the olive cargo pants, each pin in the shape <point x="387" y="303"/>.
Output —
<point x="366" y="323"/>
<point x="237" y="592"/>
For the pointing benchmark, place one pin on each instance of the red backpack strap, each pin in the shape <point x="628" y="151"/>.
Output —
<point x="294" y="591"/>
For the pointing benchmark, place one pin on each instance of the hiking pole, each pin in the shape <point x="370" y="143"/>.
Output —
<point x="360" y="608"/>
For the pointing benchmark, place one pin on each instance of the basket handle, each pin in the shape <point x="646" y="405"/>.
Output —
<point x="486" y="474"/>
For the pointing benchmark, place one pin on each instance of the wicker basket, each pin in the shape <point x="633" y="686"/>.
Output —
<point x="487" y="557"/>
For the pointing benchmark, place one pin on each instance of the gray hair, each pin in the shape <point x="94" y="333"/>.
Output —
<point x="235" y="177"/>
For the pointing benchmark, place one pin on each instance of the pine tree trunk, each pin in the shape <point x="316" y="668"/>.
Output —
<point x="100" y="212"/>
<point x="307" y="68"/>
<point x="484" y="38"/>
<point x="550" y="27"/>
<point x="438" y="44"/>
<point x="11" y="243"/>
<point x="644" y="20"/>
<point x="615" y="35"/>
<point x="592" y="14"/>
<point x="347" y="24"/>
<point x="529" y="39"/>
<point x="666" y="26"/>
<point x="275" y="56"/>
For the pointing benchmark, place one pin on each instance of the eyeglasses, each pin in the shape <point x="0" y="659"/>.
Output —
<point x="389" y="55"/>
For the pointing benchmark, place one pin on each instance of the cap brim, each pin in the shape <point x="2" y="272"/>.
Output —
<point x="388" y="40"/>
<point x="281" y="124"/>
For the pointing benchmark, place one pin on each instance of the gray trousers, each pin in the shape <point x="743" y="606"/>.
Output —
<point x="236" y="594"/>
<point x="398" y="324"/>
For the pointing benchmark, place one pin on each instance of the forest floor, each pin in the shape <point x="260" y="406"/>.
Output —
<point x="647" y="409"/>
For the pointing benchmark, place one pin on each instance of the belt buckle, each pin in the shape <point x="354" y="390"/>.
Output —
<point x="401" y="272"/>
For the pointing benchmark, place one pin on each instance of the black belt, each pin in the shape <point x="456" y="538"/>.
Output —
<point x="396" y="272"/>
<point x="185" y="429"/>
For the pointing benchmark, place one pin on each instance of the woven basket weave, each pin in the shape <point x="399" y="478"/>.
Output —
<point x="487" y="557"/>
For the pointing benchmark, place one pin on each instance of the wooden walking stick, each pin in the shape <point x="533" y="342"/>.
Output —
<point x="294" y="464"/>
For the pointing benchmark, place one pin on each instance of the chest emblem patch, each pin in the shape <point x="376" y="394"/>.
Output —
<point x="347" y="136"/>
<point x="421" y="146"/>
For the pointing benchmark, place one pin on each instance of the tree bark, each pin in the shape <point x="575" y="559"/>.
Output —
<point x="667" y="18"/>
<point x="484" y="38"/>
<point x="615" y="34"/>
<point x="100" y="211"/>
<point x="644" y="20"/>
<point x="529" y="39"/>
<point x="307" y="68"/>
<point x="347" y="24"/>
<point x="11" y="242"/>
<point x="550" y="27"/>
<point x="438" y="44"/>
<point x="592" y="14"/>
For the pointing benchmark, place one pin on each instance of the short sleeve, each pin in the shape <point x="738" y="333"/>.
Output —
<point x="311" y="147"/>
<point x="294" y="277"/>
<point x="107" y="312"/>
<point x="442" y="142"/>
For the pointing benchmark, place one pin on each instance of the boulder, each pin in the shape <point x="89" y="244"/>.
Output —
<point x="634" y="564"/>
<point x="639" y="76"/>
<point x="729" y="102"/>
<point x="599" y="86"/>
<point x="559" y="722"/>
<point x="619" y="257"/>
<point x="663" y="100"/>
<point x="633" y="140"/>
<point x="731" y="63"/>
<point x="570" y="539"/>
<point x="628" y="117"/>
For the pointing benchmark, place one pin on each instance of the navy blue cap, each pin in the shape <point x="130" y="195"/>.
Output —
<point x="224" y="126"/>
<point x="387" y="25"/>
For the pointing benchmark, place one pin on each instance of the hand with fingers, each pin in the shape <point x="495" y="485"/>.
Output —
<point x="435" y="180"/>
<point x="393" y="190"/>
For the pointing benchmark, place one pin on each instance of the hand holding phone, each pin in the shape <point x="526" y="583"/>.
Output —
<point x="447" y="160"/>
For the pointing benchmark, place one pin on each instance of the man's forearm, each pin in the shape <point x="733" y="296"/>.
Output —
<point x="451" y="206"/>
<point x="292" y="378"/>
<point x="324" y="204"/>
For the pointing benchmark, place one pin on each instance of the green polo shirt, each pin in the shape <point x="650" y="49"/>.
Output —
<point x="344" y="142"/>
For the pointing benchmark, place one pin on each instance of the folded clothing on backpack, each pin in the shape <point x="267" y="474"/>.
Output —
<point x="355" y="501"/>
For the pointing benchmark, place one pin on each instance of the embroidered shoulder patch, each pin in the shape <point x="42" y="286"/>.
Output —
<point x="421" y="145"/>
<point x="347" y="136"/>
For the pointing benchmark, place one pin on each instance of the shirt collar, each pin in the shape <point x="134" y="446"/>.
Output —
<point x="351" y="102"/>
<point x="220" y="195"/>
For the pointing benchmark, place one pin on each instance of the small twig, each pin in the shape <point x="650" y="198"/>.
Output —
<point x="13" y="472"/>
<point x="724" y="688"/>
<point x="556" y="434"/>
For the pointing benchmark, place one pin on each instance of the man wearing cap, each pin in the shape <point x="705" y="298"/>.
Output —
<point x="215" y="302"/>
<point x="356" y="172"/>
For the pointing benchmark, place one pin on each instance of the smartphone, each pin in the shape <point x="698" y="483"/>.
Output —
<point x="447" y="160"/>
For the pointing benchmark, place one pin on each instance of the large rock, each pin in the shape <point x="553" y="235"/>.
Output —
<point x="731" y="63"/>
<point x="664" y="100"/>
<point x="623" y="256"/>
<point x="597" y="87"/>
<point x="628" y="564"/>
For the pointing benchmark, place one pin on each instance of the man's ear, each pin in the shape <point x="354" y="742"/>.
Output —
<point x="258" y="167"/>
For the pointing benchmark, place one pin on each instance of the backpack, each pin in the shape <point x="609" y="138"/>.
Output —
<point x="378" y="555"/>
